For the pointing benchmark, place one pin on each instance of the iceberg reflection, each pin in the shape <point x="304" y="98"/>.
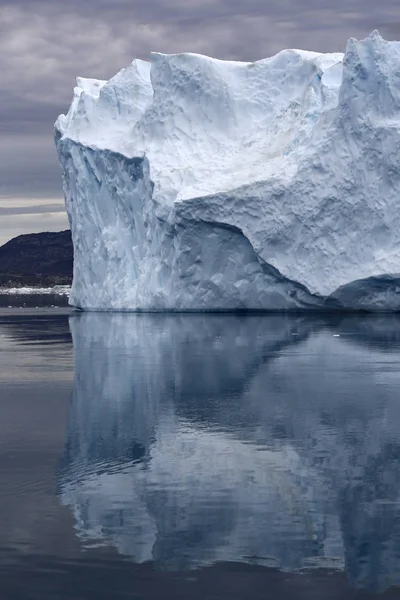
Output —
<point x="199" y="438"/>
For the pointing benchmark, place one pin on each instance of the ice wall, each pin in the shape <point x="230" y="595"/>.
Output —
<point x="198" y="184"/>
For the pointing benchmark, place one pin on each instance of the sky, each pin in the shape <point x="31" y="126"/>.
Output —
<point x="45" y="44"/>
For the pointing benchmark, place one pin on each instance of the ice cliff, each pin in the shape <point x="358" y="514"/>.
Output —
<point x="193" y="183"/>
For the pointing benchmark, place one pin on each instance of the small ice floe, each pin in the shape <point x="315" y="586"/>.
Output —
<point x="58" y="290"/>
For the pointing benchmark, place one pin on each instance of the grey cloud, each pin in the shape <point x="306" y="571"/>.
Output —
<point x="19" y="118"/>
<point x="34" y="209"/>
<point x="29" y="165"/>
<point x="45" y="44"/>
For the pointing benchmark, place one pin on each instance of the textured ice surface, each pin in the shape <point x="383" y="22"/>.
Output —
<point x="195" y="183"/>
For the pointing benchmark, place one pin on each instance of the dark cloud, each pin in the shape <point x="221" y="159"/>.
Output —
<point x="29" y="165"/>
<point x="45" y="44"/>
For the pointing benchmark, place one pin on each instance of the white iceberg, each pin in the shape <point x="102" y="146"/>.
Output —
<point x="198" y="184"/>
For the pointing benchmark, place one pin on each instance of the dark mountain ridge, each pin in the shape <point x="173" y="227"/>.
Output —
<point x="42" y="259"/>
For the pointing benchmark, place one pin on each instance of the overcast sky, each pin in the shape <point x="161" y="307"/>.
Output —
<point x="45" y="44"/>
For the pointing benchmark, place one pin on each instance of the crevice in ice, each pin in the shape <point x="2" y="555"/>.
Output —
<point x="297" y="294"/>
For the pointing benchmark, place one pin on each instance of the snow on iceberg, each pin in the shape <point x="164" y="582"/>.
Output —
<point x="198" y="184"/>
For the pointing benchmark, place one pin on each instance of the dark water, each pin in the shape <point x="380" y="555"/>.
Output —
<point x="193" y="456"/>
<point x="36" y="301"/>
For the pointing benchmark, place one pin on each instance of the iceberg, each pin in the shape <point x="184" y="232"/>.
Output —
<point x="193" y="183"/>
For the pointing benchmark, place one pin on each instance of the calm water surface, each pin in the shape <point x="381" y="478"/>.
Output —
<point x="195" y="456"/>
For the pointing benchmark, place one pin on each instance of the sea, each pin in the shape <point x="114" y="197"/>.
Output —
<point x="197" y="456"/>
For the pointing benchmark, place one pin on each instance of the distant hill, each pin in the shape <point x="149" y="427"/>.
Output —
<point x="37" y="259"/>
